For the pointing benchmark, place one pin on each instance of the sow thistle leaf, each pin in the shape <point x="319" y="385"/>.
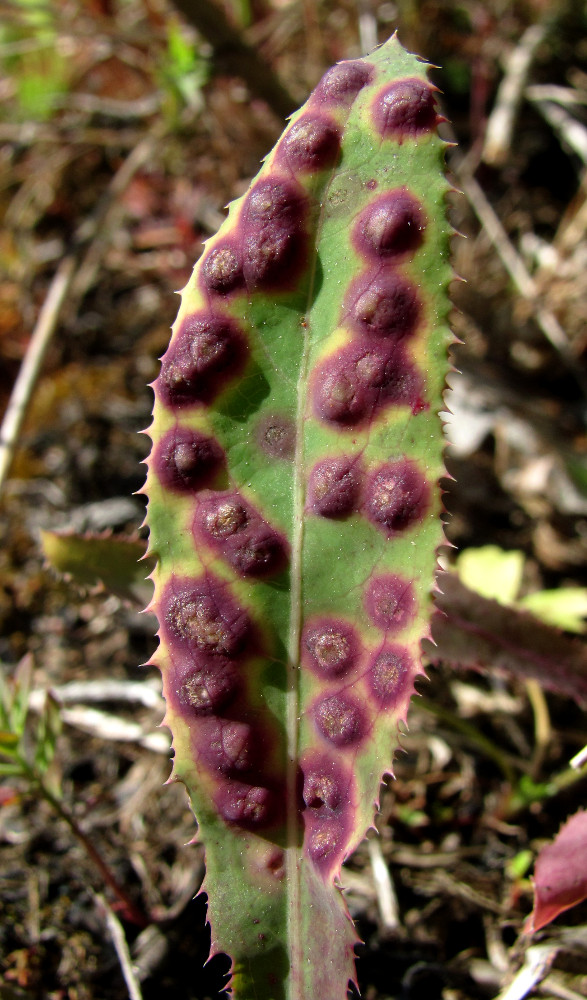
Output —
<point x="294" y="511"/>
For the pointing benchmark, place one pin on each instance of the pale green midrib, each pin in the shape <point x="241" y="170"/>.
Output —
<point x="293" y="861"/>
<point x="294" y="865"/>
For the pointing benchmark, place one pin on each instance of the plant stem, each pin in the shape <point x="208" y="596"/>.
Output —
<point x="131" y="910"/>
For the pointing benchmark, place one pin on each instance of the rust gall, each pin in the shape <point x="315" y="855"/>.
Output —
<point x="390" y="602"/>
<point x="207" y="351"/>
<point x="340" y="720"/>
<point x="334" y="487"/>
<point x="186" y="460"/>
<point x="390" y="227"/>
<point x="389" y="675"/>
<point x="331" y="647"/>
<point x="405" y="109"/>
<point x="341" y="84"/>
<point x="397" y="495"/>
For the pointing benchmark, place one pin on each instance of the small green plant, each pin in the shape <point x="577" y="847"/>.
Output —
<point x="27" y="757"/>
<point x="294" y="511"/>
<point x="30" y="53"/>
<point x="28" y="752"/>
<point x="183" y="71"/>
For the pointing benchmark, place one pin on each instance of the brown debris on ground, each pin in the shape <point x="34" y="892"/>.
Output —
<point x="124" y="134"/>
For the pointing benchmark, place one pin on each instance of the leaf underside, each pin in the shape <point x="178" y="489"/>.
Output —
<point x="294" y="511"/>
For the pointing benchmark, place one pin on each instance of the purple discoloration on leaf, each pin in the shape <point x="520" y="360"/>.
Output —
<point x="384" y="305"/>
<point x="257" y="551"/>
<point x="326" y="784"/>
<point x="327" y="839"/>
<point x="342" y="83"/>
<point x="274" y="220"/>
<point x="200" y="685"/>
<point x="341" y="720"/>
<point x="227" y="746"/>
<point x="221" y="515"/>
<point x="201" y="615"/>
<point x="246" y="805"/>
<point x="405" y="109"/>
<point x="328" y="799"/>
<point x="362" y="377"/>
<point x="239" y="534"/>
<point x="222" y="268"/>
<point x="389" y="674"/>
<point x="208" y="350"/>
<point x="396" y="496"/>
<point x="186" y="460"/>
<point x="390" y="602"/>
<point x="334" y="487"/>
<point x="390" y="227"/>
<point x="331" y="646"/>
<point x="276" y="436"/>
<point x="312" y="143"/>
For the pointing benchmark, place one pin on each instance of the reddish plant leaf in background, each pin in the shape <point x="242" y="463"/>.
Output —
<point x="471" y="632"/>
<point x="560" y="876"/>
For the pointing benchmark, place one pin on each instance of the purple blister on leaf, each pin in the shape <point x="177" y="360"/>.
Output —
<point x="397" y="495"/>
<point x="326" y="784"/>
<point x="186" y="460"/>
<point x="384" y="304"/>
<point x="206" y="354"/>
<point x="312" y="143"/>
<point x="390" y="602"/>
<point x="390" y="227"/>
<point x="200" y="615"/>
<point x="341" y="84"/>
<point x="352" y="386"/>
<point x="274" y="219"/>
<point x="331" y="646"/>
<point x="341" y="720"/>
<point x="405" y="109"/>
<point x="334" y="487"/>
<point x="227" y="746"/>
<point x="257" y="551"/>
<point x="202" y="685"/>
<point x="246" y="805"/>
<point x="222" y="268"/>
<point x="389" y="675"/>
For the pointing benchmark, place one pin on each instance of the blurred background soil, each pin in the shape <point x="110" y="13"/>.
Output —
<point x="127" y="126"/>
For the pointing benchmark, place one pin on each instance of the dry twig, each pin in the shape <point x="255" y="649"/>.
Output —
<point x="498" y="135"/>
<point x="386" y="897"/>
<point x="121" y="948"/>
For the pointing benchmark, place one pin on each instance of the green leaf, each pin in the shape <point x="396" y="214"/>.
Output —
<point x="518" y="866"/>
<point x="20" y="684"/>
<point x="48" y="730"/>
<point x="185" y="70"/>
<point x="10" y="770"/>
<point x="9" y="744"/>
<point x="565" y="607"/>
<point x="493" y="573"/>
<point x="118" y="563"/>
<point x="294" y="511"/>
